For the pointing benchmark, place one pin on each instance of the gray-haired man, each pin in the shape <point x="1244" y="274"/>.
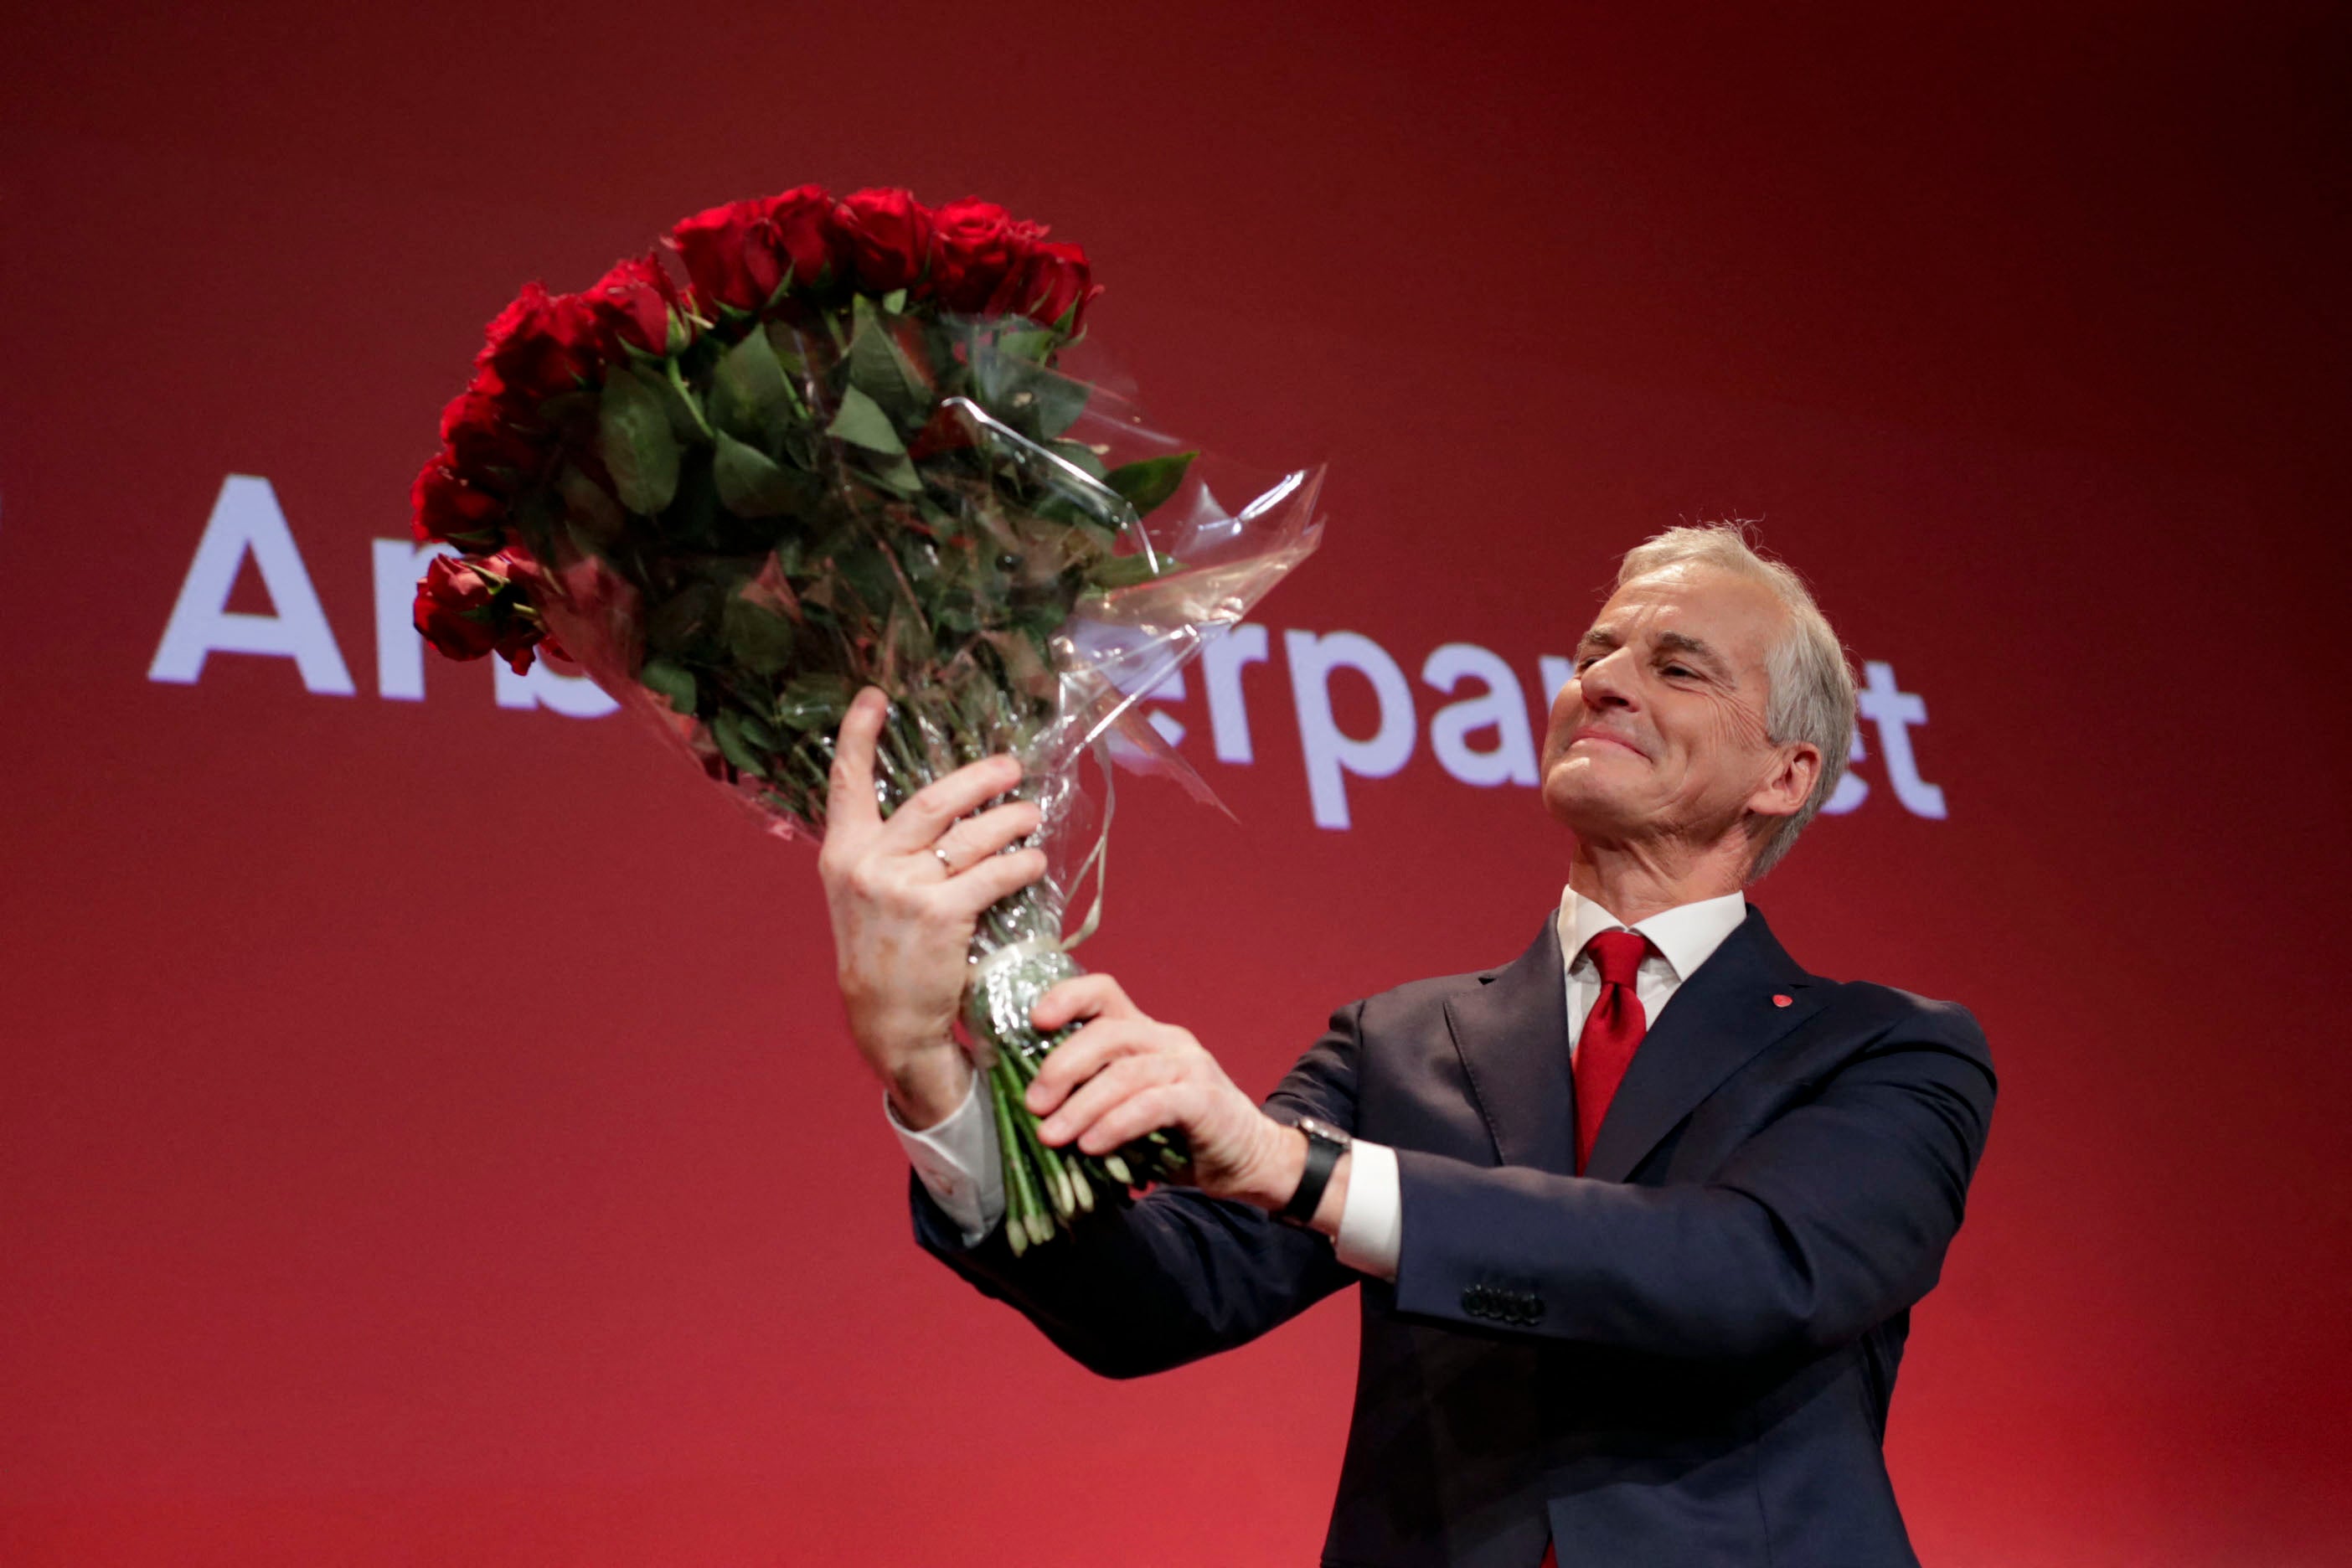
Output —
<point x="1638" y="1218"/>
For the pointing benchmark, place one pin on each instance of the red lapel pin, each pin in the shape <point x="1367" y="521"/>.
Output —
<point x="1779" y="1001"/>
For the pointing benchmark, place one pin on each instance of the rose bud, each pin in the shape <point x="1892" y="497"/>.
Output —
<point x="631" y="305"/>
<point x="455" y="608"/>
<point x="729" y="256"/>
<point x="976" y="246"/>
<point x="801" y="224"/>
<point x="886" y="237"/>
<point x="1046" y="282"/>
<point x="539" y="346"/>
<point x="488" y="453"/>
<point x="444" y="507"/>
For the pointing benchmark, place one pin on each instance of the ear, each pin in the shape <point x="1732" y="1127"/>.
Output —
<point x="1784" y="790"/>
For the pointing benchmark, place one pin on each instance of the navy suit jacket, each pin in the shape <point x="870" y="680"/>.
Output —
<point x="1683" y="1356"/>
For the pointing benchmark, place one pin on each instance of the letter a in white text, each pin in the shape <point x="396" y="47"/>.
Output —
<point x="246" y="519"/>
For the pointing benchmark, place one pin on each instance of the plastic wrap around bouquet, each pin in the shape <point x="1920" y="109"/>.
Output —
<point x="843" y="453"/>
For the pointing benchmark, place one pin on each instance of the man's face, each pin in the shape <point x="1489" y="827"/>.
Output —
<point x="1662" y="733"/>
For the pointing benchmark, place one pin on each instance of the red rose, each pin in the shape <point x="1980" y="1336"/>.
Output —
<point x="977" y="244"/>
<point x="516" y="612"/>
<point x="1044" y="282"/>
<point x="739" y="254"/>
<point x="467" y="608"/>
<point x="453" y="607"/>
<point x="631" y="305"/>
<point x="804" y="234"/>
<point x="886" y="235"/>
<point x="444" y="507"/>
<point x="486" y="452"/>
<point x="541" y="345"/>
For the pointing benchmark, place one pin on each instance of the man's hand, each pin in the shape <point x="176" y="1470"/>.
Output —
<point x="1123" y="1076"/>
<point x="905" y="895"/>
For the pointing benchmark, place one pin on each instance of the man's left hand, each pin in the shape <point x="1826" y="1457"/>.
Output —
<point x="1123" y="1076"/>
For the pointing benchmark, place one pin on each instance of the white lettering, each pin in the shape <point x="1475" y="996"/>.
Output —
<point x="1170" y="689"/>
<point x="1172" y="728"/>
<point x="1331" y="755"/>
<point x="246" y="519"/>
<point x="1893" y="711"/>
<point x="1556" y="672"/>
<point x="1502" y="707"/>
<point x="399" y="651"/>
<point x="1222" y="662"/>
<point x="1852" y="790"/>
<point x="573" y="696"/>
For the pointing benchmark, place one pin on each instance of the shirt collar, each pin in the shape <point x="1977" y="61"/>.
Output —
<point x="1685" y="935"/>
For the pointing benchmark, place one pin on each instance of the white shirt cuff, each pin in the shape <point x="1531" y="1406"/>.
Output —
<point x="959" y="1162"/>
<point x="1371" y="1219"/>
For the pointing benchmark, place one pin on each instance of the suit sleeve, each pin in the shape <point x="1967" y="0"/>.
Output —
<point x="1826" y="1222"/>
<point x="1175" y="1276"/>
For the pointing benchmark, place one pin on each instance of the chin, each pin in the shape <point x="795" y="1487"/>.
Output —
<point x="1580" y="803"/>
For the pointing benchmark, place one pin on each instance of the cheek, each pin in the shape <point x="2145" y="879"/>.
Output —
<point x="1738" y="725"/>
<point x="1735" y="736"/>
<point x="1567" y="713"/>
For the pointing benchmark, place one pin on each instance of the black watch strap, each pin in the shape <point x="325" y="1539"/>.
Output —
<point x="1324" y="1147"/>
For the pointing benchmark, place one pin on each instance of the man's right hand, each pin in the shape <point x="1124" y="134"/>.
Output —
<point x="906" y="894"/>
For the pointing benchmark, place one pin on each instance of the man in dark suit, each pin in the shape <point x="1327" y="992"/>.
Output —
<point x="1638" y="1218"/>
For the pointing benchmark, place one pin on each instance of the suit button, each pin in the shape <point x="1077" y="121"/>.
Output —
<point x="1474" y="1301"/>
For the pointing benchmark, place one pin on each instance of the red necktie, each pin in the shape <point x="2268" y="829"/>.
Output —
<point x="1612" y="1031"/>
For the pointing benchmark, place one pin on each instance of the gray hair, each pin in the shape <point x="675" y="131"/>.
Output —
<point x="1812" y="696"/>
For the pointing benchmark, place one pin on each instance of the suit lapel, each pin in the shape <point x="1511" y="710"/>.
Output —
<point x="1512" y="1034"/>
<point x="1717" y="1022"/>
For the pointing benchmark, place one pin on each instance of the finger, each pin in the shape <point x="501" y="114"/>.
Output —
<point x="1082" y="996"/>
<point x="1079" y="1058"/>
<point x="849" y="798"/>
<point x="973" y="840"/>
<point x="1146" y="1111"/>
<point x="1119" y="1080"/>
<point x="929" y="811"/>
<point x="975" y="887"/>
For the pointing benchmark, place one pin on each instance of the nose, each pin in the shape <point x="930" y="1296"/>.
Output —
<point x="1607" y="682"/>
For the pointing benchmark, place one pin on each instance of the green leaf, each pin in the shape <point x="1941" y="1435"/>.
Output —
<point x="897" y="474"/>
<point x="757" y="638"/>
<point x="1059" y="402"/>
<point x="749" y="396"/>
<point x="640" y="449"/>
<point x="1145" y="483"/>
<point x="895" y="301"/>
<point x="1126" y="571"/>
<point x="786" y="345"/>
<point x="814" y="703"/>
<point x="682" y="621"/>
<point x="588" y="508"/>
<point x="727" y="730"/>
<point x="750" y="485"/>
<point x="1032" y="346"/>
<point x="878" y="368"/>
<point x="670" y="679"/>
<point x="687" y="420"/>
<point x="861" y="422"/>
<point x="1080" y="456"/>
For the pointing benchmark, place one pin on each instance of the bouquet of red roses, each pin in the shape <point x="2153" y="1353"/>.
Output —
<point x="844" y="452"/>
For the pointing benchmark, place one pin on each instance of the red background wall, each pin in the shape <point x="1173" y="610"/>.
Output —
<point x="427" y="1132"/>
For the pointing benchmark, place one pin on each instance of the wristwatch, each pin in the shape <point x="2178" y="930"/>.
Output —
<point x="1325" y="1144"/>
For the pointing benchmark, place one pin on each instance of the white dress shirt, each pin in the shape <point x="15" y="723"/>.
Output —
<point x="958" y="1159"/>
